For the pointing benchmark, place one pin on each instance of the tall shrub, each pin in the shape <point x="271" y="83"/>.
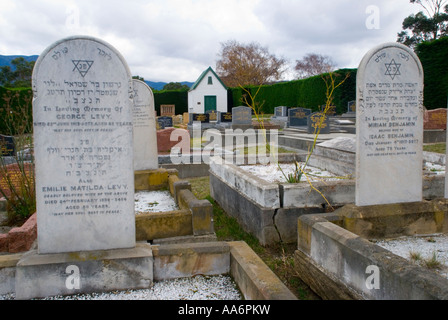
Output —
<point x="17" y="172"/>
<point x="433" y="56"/>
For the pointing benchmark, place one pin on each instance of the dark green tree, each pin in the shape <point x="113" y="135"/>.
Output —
<point x="6" y="76"/>
<point x="20" y="77"/>
<point x="426" y="25"/>
<point x="175" y="86"/>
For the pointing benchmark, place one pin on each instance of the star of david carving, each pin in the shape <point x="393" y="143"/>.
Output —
<point x="393" y="69"/>
<point x="135" y="93"/>
<point x="83" y="66"/>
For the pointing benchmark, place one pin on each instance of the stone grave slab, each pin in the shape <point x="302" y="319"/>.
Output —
<point x="165" y="122"/>
<point x="83" y="140"/>
<point x="225" y="117"/>
<point x="145" y="133"/>
<point x="298" y="117"/>
<point x="7" y="146"/>
<point x="340" y="143"/>
<point x="389" y="126"/>
<point x="167" y="110"/>
<point x="199" y="117"/>
<point x="213" y="115"/>
<point x="281" y="111"/>
<point x="241" y="117"/>
<point x="185" y="118"/>
<point x="314" y="120"/>
<point x="351" y="106"/>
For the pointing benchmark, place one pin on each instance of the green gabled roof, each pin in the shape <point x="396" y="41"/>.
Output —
<point x="202" y="77"/>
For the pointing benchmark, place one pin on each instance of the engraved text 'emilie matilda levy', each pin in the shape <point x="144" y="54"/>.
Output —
<point x="82" y="113"/>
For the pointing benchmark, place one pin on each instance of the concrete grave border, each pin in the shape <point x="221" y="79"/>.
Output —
<point x="270" y="211"/>
<point x="334" y="251"/>
<point x="193" y="221"/>
<point x="170" y="261"/>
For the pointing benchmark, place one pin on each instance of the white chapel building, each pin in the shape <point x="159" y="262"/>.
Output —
<point x="207" y="93"/>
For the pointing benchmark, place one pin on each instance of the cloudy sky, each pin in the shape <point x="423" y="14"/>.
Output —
<point x="175" y="40"/>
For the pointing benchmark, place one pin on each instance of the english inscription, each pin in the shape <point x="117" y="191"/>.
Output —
<point x="389" y="119"/>
<point x="83" y="130"/>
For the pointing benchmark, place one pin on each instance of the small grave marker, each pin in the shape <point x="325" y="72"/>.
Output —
<point x="7" y="146"/>
<point x="316" y="120"/>
<point x="167" y="110"/>
<point x="145" y="135"/>
<point x="298" y="117"/>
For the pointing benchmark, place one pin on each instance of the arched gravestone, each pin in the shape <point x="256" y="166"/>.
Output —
<point x="145" y="133"/>
<point x="389" y="120"/>
<point x="83" y="138"/>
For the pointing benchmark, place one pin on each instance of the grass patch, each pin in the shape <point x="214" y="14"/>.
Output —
<point x="436" y="147"/>
<point x="200" y="187"/>
<point x="278" y="257"/>
<point x="433" y="262"/>
<point x="430" y="263"/>
<point x="415" y="256"/>
<point x="228" y="228"/>
<point x="254" y="150"/>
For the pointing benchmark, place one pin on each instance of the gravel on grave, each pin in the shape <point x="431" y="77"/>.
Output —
<point x="272" y="173"/>
<point x="154" y="201"/>
<point x="220" y="287"/>
<point x="425" y="245"/>
<point x="433" y="168"/>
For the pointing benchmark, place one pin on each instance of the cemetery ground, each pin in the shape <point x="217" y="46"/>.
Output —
<point x="278" y="257"/>
<point x="435" y="147"/>
<point x="293" y="229"/>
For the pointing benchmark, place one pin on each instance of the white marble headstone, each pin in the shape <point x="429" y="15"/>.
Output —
<point x="83" y="140"/>
<point x="145" y="134"/>
<point x="389" y="126"/>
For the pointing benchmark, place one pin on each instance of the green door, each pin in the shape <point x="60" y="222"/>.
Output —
<point x="209" y="103"/>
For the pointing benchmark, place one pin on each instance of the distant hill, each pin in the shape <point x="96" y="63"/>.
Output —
<point x="160" y="85"/>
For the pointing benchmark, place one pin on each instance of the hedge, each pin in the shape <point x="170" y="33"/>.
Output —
<point x="306" y="93"/>
<point x="177" y="97"/>
<point x="433" y="56"/>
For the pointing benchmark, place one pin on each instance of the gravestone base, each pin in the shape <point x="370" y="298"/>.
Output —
<point x="44" y="275"/>
<point x="151" y="180"/>
<point x="384" y="221"/>
<point x="334" y="250"/>
<point x="434" y="136"/>
<point x="282" y="122"/>
<point x="281" y="119"/>
<point x="242" y="126"/>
